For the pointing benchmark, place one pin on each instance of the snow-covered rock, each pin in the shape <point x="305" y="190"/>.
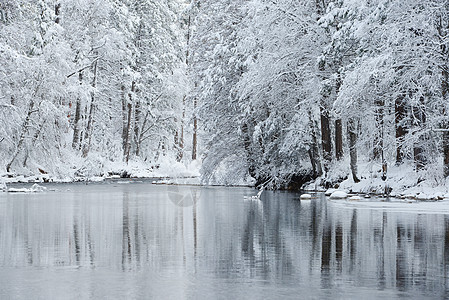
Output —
<point x="355" y="198"/>
<point x="305" y="197"/>
<point x="96" y="179"/>
<point x="339" y="195"/>
<point x="35" y="188"/>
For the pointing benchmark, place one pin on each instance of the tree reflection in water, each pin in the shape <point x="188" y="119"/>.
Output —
<point x="221" y="241"/>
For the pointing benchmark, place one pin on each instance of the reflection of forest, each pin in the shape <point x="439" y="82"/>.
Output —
<point x="277" y="239"/>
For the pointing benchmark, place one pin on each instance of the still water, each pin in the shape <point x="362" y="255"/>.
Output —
<point x="142" y="241"/>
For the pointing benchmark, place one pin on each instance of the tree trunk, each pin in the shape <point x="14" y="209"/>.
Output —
<point x="326" y="137"/>
<point x="181" y="137"/>
<point x="33" y="142"/>
<point x="446" y="148"/>
<point x="195" y="130"/>
<point x="128" y="133"/>
<point x="378" y="151"/>
<point x="247" y="146"/>
<point x="142" y="132"/>
<point x="418" y="147"/>
<point x="124" y="117"/>
<point x="314" y="152"/>
<point x="338" y="139"/>
<point x="89" y="129"/>
<point x="378" y="138"/>
<point x="401" y="129"/>
<point x="445" y="125"/>
<point x="176" y="136"/>
<point x="137" y="128"/>
<point x="352" y="137"/>
<point x="57" y="13"/>
<point x="338" y="123"/>
<point x="23" y="132"/>
<point x="76" y="121"/>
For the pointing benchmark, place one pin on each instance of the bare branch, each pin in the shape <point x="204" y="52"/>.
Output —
<point x="85" y="67"/>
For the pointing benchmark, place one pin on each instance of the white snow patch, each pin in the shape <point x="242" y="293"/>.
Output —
<point x="35" y="188"/>
<point x="305" y="197"/>
<point x="338" y="195"/>
<point x="401" y="181"/>
<point x="96" y="179"/>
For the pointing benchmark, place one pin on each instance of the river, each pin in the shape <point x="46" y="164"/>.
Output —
<point x="121" y="240"/>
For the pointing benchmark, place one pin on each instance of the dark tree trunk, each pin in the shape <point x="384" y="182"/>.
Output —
<point x="378" y="138"/>
<point x="89" y="129"/>
<point x="338" y="139"/>
<point x="338" y="124"/>
<point x="127" y="130"/>
<point x="124" y="117"/>
<point x="247" y="146"/>
<point x="57" y="13"/>
<point x="176" y="136"/>
<point x="181" y="137"/>
<point x="128" y="133"/>
<point x="443" y="29"/>
<point x="314" y="152"/>
<point x="326" y="137"/>
<point x="137" y="128"/>
<point x="378" y="151"/>
<point x="22" y="137"/>
<point x="142" y="132"/>
<point x="313" y="162"/>
<point x="445" y="125"/>
<point x="76" y="121"/>
<point x="446" y="149"/>
<point x="195" y="130"/>
<point x="418" y="147"/>
<point x="33" y="142"/>
<point x="352" y="137"/>
<point x="401" y="129"/>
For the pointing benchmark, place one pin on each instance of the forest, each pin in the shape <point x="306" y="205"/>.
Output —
<point x="274" y="93"/>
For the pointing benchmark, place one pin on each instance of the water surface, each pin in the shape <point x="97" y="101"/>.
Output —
<point x="141" y="241"/>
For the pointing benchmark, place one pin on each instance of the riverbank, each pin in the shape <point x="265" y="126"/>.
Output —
<point x="402" y="181"/>
<point x="162" y="171"/>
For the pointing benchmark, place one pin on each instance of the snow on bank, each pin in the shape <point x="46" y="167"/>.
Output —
<point x="99" y="170"/>
<point x="402" y="181"/>
<point x="35" y="188"/>
<point x="338" y="195"/>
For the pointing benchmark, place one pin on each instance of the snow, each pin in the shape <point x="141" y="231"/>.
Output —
<point x="305" y="197"/>
<point x="402" y="181"/>
<point x="172" y="171"/>
<point x="35" y="188"/>
<point x="338" y="195"/>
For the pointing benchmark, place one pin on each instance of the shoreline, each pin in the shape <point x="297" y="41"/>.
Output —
<point x="192" y="180"/>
